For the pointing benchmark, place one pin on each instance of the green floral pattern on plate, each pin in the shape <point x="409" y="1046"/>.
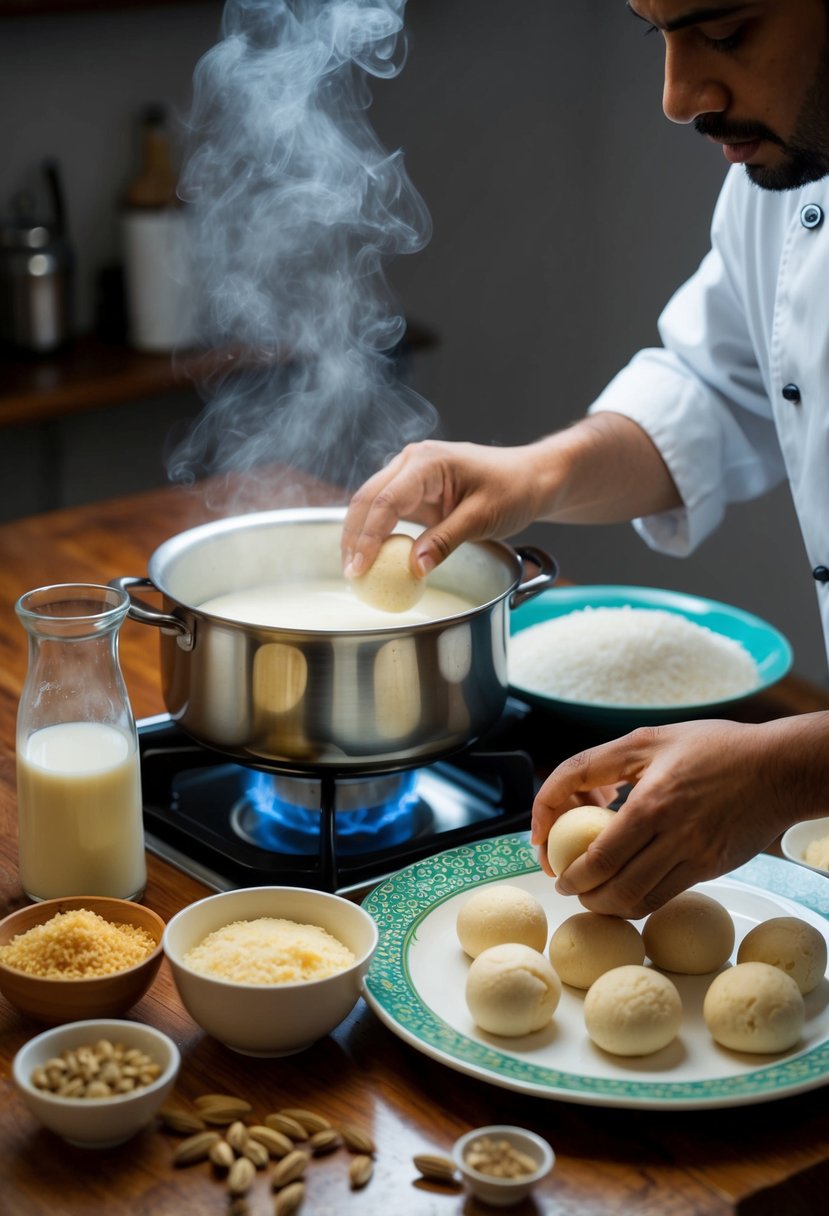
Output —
<point x="403" y="901"/>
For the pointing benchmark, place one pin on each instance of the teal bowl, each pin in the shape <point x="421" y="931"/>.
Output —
<point x="768" y="647"/>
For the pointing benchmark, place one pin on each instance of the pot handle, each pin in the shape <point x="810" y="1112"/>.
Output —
<point x="547" y="574"/>
<point x="145" y="614"/>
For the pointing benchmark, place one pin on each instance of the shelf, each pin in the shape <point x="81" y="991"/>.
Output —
<point x="92" y="374"/>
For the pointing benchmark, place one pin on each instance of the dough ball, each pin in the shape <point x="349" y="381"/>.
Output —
<point x="389" y="583"/>
<point x="632" y="1011"/>
<point x="791" y="944"/>
<point x="586" y="945"/>
<point x="817" y="853"/>
<point x="754" y="1007"/>
<point x="501" y="913"/>
<point x="512" y="990"/>
<point x="691" y="934"/>
<point x="573" y="832"/>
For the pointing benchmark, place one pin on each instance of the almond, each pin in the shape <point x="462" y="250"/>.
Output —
<point x="255" y="1152"/>
<point x="309" y="1119"/>
<point x="275" y="1142"/>
<point x="360" y="1170"/>
<point x="290" y="1199"/>
<point x="222" y="1155"/>
<point x="175" y="1119"/>
<point x="289" y="1169"/>
<point x="195" y="1148"/>
<point x="357" y="1140"/>
<point x="325" y="1141"/>
<point x="237" y="1135"/>
<point x="240" y="1176"/>
<point x="435" y="1167"/>
<point x="281" y="1122"/>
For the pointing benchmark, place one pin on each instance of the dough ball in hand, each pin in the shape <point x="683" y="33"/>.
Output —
<point x="498" y="913"/>
<point x="587" y="944"/>
<point x="754" y="1007"/>
<point x="791" y="944"/>
<point x="512" y="990"/>
<point x="632" y="1011"/>
<point x="691" y="934"/>
<point x="389" y="583"/>
<point x="573" y="833"/>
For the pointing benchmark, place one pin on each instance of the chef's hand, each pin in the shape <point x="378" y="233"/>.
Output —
<point x="706" y="797"/>
<point x="460" y="491"/>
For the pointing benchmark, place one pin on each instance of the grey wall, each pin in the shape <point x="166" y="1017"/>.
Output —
<point x="566" y="210"/>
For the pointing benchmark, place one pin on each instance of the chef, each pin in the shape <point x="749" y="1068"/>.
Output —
<point x="735" y="400"/>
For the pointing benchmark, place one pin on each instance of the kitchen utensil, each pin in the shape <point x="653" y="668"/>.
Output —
<point x="416" y="987"/>
<point x="770" y="650"/>
<point x="293" y="700"/>
<point x="96" y="1122"/>
<point x="270" y="1019"/>
<point x="36" y="274"/>
<point x="68" y="1000"/>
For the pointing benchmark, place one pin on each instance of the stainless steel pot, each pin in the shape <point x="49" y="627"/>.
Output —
<point x="351" y="701"/>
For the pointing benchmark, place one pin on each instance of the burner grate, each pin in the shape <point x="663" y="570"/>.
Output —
<point x="199" y="814"/>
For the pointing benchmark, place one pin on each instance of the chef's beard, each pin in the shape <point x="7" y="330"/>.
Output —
<point x="807" y="152"/>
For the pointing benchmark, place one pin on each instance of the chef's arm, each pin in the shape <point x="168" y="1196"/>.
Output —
<point x="603" y="469"/>
<point x="706" y="797"/>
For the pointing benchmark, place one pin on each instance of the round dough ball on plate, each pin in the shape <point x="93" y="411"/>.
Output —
<point x="632" y="1011"/>
<point x="691" y="934"/>
<point x="498" y="913"/>
<point x="791" y="944"/>
<point x="512" y="990"/>
<point x="573" y="833"/>
<point x="754" y="1007"/>
<point x="587" y="944"/>
<point x="389" y="583"/>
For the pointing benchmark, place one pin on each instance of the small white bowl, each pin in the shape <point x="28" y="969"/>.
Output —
<point x="270" y="1019"/>
<point x="799" y="836"/>
<point x="504" y="1192"/>
<point x="96" y="1122"/>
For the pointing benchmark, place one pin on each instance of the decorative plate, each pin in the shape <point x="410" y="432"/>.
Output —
<point x="416" y="987"/>
<point x="768" y="647"/>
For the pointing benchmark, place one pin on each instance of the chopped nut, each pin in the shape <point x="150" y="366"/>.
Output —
<point x="499" y="1158"/>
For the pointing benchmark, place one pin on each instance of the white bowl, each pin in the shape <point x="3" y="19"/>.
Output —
<point x="270" y="1019"/>
<point x="504" y="1192"/>
<point x="96" y="1122"/>
<point x="799" y="836"/>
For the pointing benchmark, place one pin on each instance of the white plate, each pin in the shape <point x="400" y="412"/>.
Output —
<point x="417" y="979"/>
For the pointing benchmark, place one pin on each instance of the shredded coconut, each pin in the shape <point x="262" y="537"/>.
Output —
<point x="269" y="950"/>
<point x="629" y="656"/>
<point x="75" y="945"/>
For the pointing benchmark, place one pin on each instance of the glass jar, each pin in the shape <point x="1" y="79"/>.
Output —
<point x="78" y="775"/>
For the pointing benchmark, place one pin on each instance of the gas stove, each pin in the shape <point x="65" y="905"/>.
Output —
<point x="231" y="825"/>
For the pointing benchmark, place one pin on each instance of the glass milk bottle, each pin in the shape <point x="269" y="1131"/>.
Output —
<point x="78" y="775"/>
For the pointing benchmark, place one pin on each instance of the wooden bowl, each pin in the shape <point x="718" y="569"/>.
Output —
<point x="71" y="1000"/>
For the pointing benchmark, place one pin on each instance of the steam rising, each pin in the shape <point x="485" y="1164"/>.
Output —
<point x="295" y="206"/>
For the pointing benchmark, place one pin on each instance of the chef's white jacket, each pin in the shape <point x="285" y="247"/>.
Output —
<point x="738" y="397"/>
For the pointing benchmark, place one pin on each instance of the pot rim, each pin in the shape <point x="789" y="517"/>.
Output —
<point x="182" y="542"/>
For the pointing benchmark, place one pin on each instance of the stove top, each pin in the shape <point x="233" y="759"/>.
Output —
<point x="230" y="825"/>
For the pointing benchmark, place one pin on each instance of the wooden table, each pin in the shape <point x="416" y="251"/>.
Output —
<point x="766" y="1160"/>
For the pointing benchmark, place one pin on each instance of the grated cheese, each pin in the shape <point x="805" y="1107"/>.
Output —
<point x="269" y="950"/>
<point x="78" y="944"/>
<point x="629" y="656"/>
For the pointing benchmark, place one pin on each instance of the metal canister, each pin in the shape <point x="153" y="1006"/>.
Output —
<point x="36" y="286"/>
